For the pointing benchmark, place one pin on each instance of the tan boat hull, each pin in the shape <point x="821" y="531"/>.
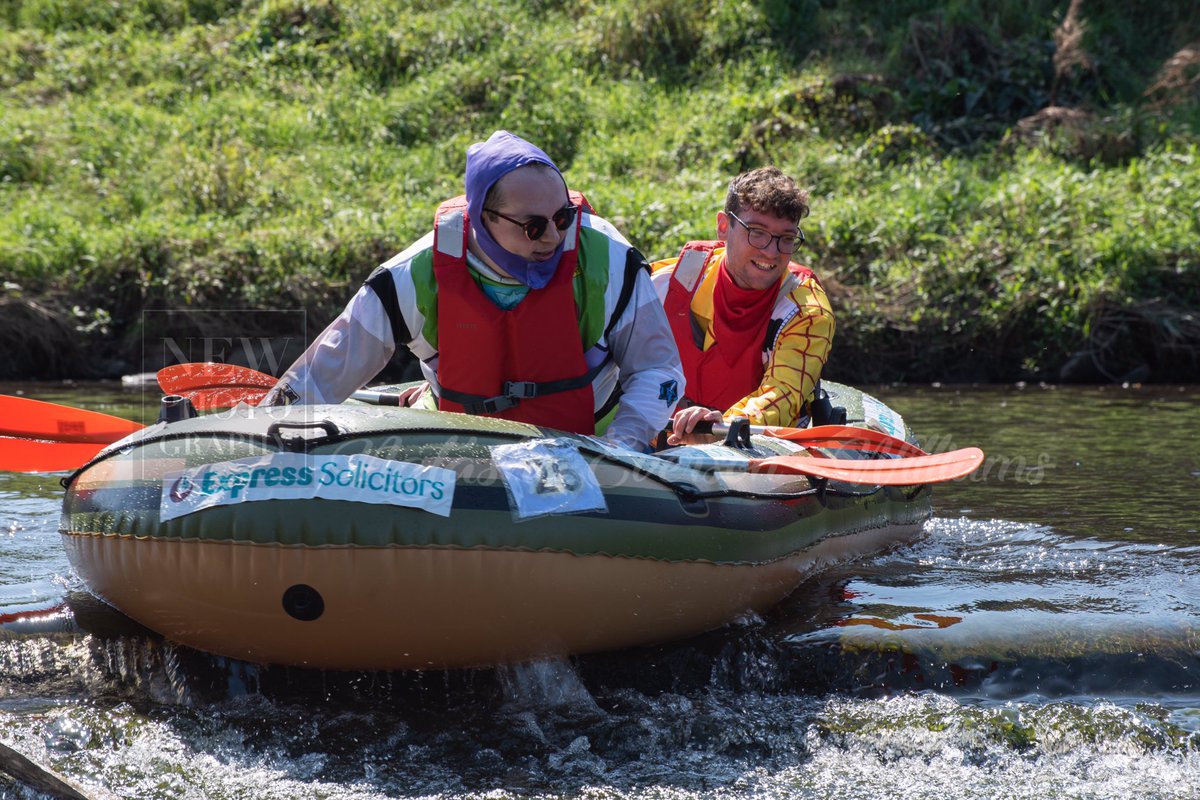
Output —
<point x="431" y="608"/>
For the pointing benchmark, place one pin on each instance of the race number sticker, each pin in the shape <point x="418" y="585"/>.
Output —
<point x="882" y="418"/>
<point x="547" y="476"/>
<point x="294" y="476"/>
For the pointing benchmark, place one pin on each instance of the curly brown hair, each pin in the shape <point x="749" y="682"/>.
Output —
<point x="768" y="191"/>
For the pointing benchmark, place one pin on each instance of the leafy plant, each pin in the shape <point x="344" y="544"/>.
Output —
<point x="214" y="153"/>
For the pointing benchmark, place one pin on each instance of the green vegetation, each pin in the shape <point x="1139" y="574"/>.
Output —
<point x="217" y="154"/>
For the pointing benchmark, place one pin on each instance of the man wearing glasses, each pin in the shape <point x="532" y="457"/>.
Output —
<point x="753" y="328"/>
<point x="520" y="304"/>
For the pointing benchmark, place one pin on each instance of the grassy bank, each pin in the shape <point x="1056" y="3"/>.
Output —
<point x="215" y="154"/>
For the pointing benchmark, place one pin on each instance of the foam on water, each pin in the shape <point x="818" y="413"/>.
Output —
<point x="1055" y="657"/>
<point x="709" y="744"/>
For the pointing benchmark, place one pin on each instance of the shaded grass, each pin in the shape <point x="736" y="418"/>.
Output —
<point x="179" y="153"/>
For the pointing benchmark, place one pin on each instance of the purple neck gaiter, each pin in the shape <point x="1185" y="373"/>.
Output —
<point x="488" y="162"/>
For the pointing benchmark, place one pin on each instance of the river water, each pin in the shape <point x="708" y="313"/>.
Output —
<point x="1039" y="639"/>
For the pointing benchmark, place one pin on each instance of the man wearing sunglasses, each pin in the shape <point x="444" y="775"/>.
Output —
<point x="753" y="329"/>
<point x="520" y="304"/>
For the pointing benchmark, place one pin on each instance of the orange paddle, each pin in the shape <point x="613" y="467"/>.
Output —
<point x="210" y="385"/>
<point x="909" y="471"/>
<point x="34" y="419"/>
<point x="835" y="437"/>
<point x="36" y="436"/>
<point x="39" y="455"/>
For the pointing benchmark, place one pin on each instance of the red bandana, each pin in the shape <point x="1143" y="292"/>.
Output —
<point x="740" y="316"/>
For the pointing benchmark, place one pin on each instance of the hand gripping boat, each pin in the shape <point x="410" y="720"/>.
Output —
<point x="361" y="537"/>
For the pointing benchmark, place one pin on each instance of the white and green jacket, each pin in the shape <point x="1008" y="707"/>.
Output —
<point x="621" y="325"/>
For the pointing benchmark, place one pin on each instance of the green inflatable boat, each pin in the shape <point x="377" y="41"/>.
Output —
<point x="364" y="537"/>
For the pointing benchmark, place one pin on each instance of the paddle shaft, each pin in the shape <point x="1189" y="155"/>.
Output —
<point x="831" y="437"/>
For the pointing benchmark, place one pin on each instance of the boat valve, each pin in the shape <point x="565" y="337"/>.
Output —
<point x="303" y="602"/>
<point x="175" y="408"/>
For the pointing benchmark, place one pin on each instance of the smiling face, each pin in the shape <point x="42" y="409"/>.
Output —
<point x="532" y="190"/>
<point x="752" y="267"/>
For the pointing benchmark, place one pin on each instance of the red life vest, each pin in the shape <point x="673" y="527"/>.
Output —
<point x="714" y="379"/>
<point x="524" y="364"/>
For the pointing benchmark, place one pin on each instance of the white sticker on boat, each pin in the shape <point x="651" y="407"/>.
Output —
<point x="295" y="476"/>
<point x="624" y="455"/>
<point x="547" y="476"/>
<point x="882" y="418"/>
<point x="710" y="457"/>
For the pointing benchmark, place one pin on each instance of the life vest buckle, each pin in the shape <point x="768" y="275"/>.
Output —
<point x="492" y="405"/>
<point x="522" y="390"/>
<point x="514" y="393"/>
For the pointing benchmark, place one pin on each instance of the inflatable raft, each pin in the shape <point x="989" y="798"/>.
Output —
<point x="362" y="537"/>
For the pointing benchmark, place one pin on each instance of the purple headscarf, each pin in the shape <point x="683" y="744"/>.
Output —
<point x="488" y="162"/>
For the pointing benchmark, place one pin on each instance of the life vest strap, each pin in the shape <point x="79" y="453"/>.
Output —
<point x="516" y="391"/>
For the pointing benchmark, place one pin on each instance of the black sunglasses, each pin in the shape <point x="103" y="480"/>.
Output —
<point x="535" y="227"/>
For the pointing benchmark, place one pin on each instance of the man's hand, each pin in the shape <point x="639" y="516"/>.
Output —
<point x="410" y="396"/>
<point x="684" y="424"/>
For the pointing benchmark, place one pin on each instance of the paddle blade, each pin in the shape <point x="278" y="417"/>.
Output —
<point x="911" y="471"/>
<point x="210" y="385"/>
<point x="209" y="399"/>
<point x="33" y="455"/>
<point x="35" y="419"/>
<point x="845" y="437"/>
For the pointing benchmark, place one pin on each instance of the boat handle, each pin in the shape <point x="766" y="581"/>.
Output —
<point x="300" y="444"/>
